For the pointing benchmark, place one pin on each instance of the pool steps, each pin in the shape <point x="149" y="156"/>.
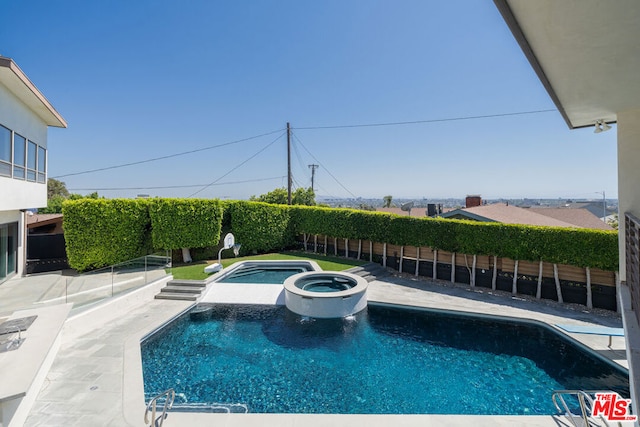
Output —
<point x="369" y="271"/>
<point x="185" y="290"/>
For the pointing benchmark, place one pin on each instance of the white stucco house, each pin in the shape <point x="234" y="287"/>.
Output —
<point x="586" y="53"/>
<point x="25" y="115"/>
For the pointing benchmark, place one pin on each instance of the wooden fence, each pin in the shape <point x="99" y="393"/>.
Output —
<point x="591" y="287"/>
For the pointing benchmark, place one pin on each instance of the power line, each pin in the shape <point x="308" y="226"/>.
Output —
<point x="300" y="162"/>
<point x="323" y="166"/>
<point x="175" y="186"/>
<point x="240" y="164"/>
<point x="168" y="156"/>
<point x="450" y="119"/>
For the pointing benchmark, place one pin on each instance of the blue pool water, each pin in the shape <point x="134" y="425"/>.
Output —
<point x="384" y="361"/>
<point x="263" y="274"/>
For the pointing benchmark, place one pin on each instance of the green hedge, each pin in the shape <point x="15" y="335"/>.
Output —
<point x="260" y="227"/>
<point x="341" y="223"/>
<point x="185" y="223"/>
<point x="104" y="232"/>
<point x="572" y="246"/>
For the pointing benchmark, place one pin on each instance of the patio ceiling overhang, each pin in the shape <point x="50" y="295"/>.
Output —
<point x="19" y="84"/>
<point x="585" y="52"/>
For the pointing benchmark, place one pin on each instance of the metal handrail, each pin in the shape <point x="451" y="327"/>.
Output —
<point x="156" y="421"/>
<point x="584" y="397"/>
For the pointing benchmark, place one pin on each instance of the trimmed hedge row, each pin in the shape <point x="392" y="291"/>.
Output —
<point x="101" y="232"/>
<point x="572" y="246"/>
<point x="185" y="223"/>
<point x="104" y="232"/>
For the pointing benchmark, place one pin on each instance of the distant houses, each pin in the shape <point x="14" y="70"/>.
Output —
<point x="551" y="217"/>
<point x="25" y="115"/>
<point x="579" y="215"/>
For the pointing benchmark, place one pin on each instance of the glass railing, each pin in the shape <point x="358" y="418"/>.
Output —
<point x="111" y="281"/>
<point x="45" y="289"/>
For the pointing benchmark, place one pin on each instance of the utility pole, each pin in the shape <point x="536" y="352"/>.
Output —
<point x="313" y="174"/>
<point x="604" y="205"/>
<point x="288" y="163"/>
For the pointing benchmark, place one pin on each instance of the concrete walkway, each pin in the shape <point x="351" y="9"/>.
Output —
<point x="96" y="378"/>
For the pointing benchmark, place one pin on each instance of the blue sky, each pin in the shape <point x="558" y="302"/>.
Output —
<point x="138" y="80"/>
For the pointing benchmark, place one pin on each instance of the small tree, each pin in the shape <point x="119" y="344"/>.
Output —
<point x="279" y="196"/>
<point x="304" y="196"/>
<point x="56" y="188"/>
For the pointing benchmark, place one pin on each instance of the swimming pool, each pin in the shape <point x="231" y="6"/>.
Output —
<point x="264" y="272"/>
<point x="385" y="360"/>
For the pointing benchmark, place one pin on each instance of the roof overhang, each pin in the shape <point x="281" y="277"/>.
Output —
<point x="19" y="84"/>
<point x="585" y="52"/>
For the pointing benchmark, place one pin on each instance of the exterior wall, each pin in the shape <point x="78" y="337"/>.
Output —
<point x="628" y="174"/>
<point x="18" y="117"/>
<point x="19" y="217"/>
<point x="17" y="194"/>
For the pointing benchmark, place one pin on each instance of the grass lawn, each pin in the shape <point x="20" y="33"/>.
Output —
<point x="195" y="271"/>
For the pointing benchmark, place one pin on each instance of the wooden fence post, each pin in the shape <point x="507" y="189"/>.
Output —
<point x="472" y="279"/>
<point x="435" y="264"/>
<point x="514" y="286"/>
<point x="384" y="255"/>
<point x="589" y="294"/>
<point x="557" y="280"/>
<point x="539" y="290"/>
<point x="494" y="278"/>
<point x="453" y="267"/>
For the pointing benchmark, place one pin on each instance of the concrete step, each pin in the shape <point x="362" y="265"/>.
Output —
<point x="176" y="296"/>
<point x="188" y="283"/>
<point x="182" y="289"/>
<point x="370" y="271"/>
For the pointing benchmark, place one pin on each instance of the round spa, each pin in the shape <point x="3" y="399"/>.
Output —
<point x="325" y="294"/>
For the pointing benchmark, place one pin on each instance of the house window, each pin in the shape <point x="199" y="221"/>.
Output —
<point x="32" y="149"/>
<point x="8" y="250"/>
<point x="19" y="156"/>
<point x="42" y="165"/>
<point x="5" y="151"/>
<point x="22" y="159"/>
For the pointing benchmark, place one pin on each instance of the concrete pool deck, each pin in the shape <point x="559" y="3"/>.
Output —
<point x="96" y="376"/>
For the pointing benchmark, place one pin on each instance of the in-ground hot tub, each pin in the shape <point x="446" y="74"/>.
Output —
<point x="325" y="294"/>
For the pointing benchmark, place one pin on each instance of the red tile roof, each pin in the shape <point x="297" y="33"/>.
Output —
<point x="576" y="216"/>
<point x="508" y="214"/>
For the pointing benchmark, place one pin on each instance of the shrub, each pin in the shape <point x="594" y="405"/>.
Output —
<point x="101" y="232"/>
<point x="185" y="223"/>
<point x="259" y="227"/>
